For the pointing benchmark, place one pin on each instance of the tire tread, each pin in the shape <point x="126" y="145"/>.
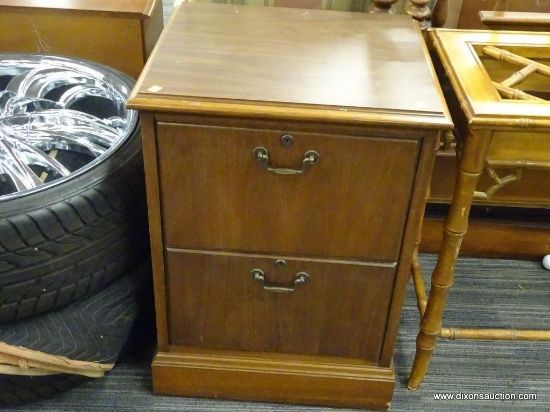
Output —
<point x="65" y="249"/>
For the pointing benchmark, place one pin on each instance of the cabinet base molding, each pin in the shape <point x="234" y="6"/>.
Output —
<point x="273" y="378"/>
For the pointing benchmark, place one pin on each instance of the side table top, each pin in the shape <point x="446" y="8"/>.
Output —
<point x="309" y="63"/>
<point x="479" y="62"/>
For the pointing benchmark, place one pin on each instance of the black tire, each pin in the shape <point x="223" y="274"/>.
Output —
<point x="64" y="243"/>
<point x="93" y="329"/>
<point x="69" y="237"/>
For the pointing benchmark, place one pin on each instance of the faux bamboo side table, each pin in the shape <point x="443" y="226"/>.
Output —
<point x="502" y="118"/>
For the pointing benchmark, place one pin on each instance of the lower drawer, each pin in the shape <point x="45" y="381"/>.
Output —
<point x="220" y="301"/>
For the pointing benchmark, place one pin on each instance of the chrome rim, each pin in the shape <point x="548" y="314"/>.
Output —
<point x="58" y="119"/>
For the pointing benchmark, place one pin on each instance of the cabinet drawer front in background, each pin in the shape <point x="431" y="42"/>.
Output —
<point x="215" y="302"/>
<point x="351" y="203"/>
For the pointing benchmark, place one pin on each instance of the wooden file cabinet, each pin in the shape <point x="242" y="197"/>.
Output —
<point x="285" y="180"/>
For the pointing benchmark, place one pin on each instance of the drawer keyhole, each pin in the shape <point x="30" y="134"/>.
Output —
<point x="287" y="140"/>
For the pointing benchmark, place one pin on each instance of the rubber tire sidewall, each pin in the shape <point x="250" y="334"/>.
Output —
<point x="126" y="163"/>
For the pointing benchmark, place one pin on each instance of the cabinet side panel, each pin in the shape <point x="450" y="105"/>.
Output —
<point x="155" y="228"/>
<point x="413" y="232"/>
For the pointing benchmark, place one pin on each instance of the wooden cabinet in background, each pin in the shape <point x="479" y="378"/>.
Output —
<point x="469" y="14"/>
<point x="118" y="33"/>
<point x="287" y="162"/>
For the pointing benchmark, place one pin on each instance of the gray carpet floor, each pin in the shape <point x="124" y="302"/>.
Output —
<point x="486" y="293"/>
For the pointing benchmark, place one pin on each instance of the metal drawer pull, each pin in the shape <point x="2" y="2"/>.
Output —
<point x="258" y="274"/>
<point x="310" y="157"/>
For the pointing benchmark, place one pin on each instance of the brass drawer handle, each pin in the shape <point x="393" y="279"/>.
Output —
<point x="310" y="157"/>
<point x="258" y="274"/>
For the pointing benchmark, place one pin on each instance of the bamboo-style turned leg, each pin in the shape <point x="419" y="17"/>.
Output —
<point x="471" y="163"/>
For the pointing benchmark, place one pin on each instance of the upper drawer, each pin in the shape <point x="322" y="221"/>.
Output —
<point x="351" y="203"/>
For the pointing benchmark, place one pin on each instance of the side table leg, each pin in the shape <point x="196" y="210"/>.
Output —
<point x="471" y="164"/>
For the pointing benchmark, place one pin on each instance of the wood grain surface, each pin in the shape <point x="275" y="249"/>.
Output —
<point x="215" y="303"/>
<point x="358" y="192"/>
<point x="144" y="7"/>
<point x="295" y="58"/>
<point x="120" y="34"/>
<point x="225" y="80"/>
